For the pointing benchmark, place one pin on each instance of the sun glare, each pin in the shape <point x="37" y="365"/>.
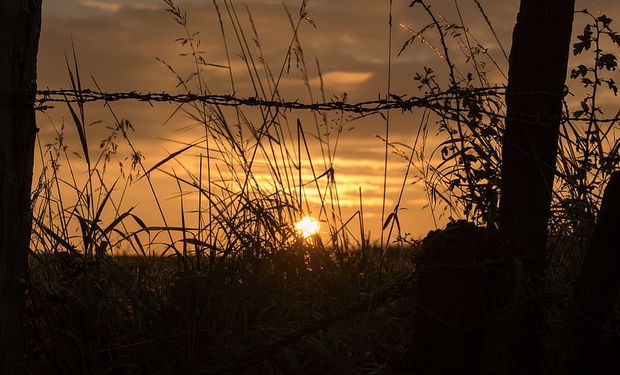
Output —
<point x="307" y="226"/>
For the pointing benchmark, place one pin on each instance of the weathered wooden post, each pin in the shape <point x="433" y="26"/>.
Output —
<point x="598" y="285"/>
<point x="20" y="26"/>
<point x="536" y="78"/>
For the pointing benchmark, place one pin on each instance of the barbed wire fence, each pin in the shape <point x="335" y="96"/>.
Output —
<point x="441" y="103"/>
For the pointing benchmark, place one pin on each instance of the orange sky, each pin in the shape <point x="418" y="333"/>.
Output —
<point x="118" y="41"/>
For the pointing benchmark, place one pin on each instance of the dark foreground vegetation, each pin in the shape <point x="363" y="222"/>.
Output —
<point x="300" y="311"/>
<point x="304" y="310"/>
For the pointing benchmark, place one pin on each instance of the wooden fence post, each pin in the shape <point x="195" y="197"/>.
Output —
<point x="20" y="26"/>
<point x="598" y="284"/>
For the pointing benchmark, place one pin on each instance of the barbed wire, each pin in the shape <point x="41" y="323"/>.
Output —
<point x="438" y="102"/>
<point x="340" y="104"/>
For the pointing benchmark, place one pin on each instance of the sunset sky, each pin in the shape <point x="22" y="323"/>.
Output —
<point x="117" y="42"/>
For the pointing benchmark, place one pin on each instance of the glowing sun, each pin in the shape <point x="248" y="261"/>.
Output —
<point x="307" y="226"/>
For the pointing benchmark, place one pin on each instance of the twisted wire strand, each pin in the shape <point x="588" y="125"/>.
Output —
<point x="439" y="102"/>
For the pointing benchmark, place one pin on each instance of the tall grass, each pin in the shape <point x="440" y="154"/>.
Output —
<point x="234" y="275"/>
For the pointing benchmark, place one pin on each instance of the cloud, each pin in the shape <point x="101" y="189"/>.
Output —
<point x="342" y="79"/>
<point x="110" y="7"/>
<point x="100" y="5"/>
